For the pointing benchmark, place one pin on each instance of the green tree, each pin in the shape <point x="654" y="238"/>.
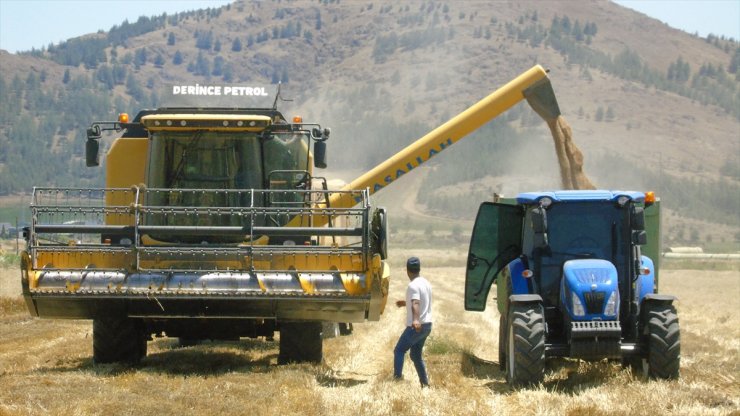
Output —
<point x="159" y="61"/>
<point x="177" y="59"/>
<point x="609" y="113"/>
<point x="599" y="114"/>
<point x="218" y="66"/>
<point x="236" y="45"/>
<point x="140" y="57"/>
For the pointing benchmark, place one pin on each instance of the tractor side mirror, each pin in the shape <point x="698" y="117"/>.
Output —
<point x="539" y="226"/>
<point x="319" y="154"/>
<point x="639" y="237"/>
<point x="637" y="218"/>
<point x="92" y="148"/>
<point x="319" y="147"/>
<point x="539" y="220"/>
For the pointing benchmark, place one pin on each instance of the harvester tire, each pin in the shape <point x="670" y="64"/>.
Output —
<point x="118" y="340"/>
<point x="663" y="339"/>
<point x="345" y="328"/>
<point x="525" y="353"/>
<point x="300" y="342"/>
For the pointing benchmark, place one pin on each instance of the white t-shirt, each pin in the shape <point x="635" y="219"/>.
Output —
<point x="419" y="289"/>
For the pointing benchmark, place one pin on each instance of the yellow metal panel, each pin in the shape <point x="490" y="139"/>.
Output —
<point x="125" y="167"/>
<point x="442" y="137"/>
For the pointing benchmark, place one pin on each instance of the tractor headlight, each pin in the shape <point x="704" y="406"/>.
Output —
<point x="611" y="304"/>
<point x="577" y="305"/>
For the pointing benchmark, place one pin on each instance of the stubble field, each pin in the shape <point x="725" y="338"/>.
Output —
<point x="46" y="365"/>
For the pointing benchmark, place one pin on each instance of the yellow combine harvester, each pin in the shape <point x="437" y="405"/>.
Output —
<point x="213" y="225"/>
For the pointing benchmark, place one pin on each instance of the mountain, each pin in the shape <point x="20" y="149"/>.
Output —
<point x="650" y="106"/>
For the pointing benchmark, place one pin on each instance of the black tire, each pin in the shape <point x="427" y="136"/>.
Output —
<point x="188" y="342"/>
<point x="345" y="328"/>
<point x="663" y="342"/>
<point x="502" y="343"/>
<point x="634" y="363"/>
<point x="525" y="354"/>
<point x="118" y="340"/>
<point x="300" y="342"/>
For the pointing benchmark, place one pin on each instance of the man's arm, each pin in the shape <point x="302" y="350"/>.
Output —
<point x="416" y="315"/>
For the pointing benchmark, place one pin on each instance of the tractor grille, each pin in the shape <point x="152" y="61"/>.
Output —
<point x="594" y="302"/>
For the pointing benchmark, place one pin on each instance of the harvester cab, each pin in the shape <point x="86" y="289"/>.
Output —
<point x="572" y="281"/>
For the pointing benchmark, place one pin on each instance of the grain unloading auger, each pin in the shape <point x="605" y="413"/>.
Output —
<point x="212" y="225"/>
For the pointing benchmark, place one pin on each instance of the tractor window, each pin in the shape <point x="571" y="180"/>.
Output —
<point x="594" y="230"/>
<point x="496" y="240"/>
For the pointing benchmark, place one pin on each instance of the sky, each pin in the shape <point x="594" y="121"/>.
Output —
<point x="26" y="24"/>
<point x="719" y="17"/>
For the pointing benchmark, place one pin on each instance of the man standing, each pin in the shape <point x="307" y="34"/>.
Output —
<point x="418" y="305"/>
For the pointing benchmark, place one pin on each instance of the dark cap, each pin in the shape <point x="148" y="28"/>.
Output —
<point x="413" y="264"/>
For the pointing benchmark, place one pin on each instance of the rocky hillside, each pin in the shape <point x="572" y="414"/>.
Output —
<point x="650" y="106"/>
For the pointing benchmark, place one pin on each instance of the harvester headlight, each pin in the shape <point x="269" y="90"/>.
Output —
<point x="611" y="304"/>
<point x="578" y="309"/>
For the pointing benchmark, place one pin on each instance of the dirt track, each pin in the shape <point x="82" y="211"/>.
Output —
<point x="46" y="366"/>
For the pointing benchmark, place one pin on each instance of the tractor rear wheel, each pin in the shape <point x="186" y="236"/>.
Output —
<point x="118" y="340"/>
<point x="525" y="353"/>
<point x="663" y="342"/>
<point x="300" y="342"/>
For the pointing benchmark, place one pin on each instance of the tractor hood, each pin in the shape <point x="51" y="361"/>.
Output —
<point x="590" y="290"/>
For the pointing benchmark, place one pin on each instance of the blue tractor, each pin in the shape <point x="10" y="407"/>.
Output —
<point x="574" y="279"/>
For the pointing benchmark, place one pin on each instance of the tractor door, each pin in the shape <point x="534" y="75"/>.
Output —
<point x="496" y="240"/>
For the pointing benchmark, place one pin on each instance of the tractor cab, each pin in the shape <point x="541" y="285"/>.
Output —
<point x="572" y="259"/>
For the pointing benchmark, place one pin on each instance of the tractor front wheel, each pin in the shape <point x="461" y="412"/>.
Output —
<point x="525" y="353"/>
<point x="663" y="342"/>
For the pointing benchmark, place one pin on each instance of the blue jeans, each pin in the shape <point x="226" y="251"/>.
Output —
<point x="414" y="341"/>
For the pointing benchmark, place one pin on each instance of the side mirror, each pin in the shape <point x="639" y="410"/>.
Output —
<point x="92" y="148"/>
<point x="639" y="237"/>
<point x="539" y="225"/>
<point x="319" y="154"/>
<point x="539" y="220"/>
<point x="637" y="218"/>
